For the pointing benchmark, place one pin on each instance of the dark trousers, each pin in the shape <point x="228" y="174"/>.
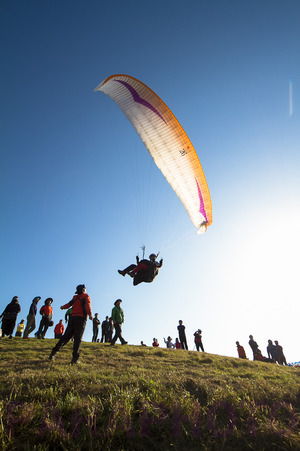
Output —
<point x="95" y="333"/>
<point x="44" y="324"/>
<point x="199" y="345"/>
<point x="183" y="342"/>
<point x="75" y="328"/>
<point x="118" y="334"/>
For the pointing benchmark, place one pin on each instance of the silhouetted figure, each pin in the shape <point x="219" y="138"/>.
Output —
<point x="281" y="356"/>
<point x="198" y="340"/>
<point x="241" y="351"/>
<point x="96" y="324"/>
<point x="144" y="270"/>
<point x="182" y="337"/>
<point x="253" y="345"/>
<point x="104" y="330"/>
<point x="9" y="317"/>
<point x="110" y="329"/>
<point x="31" y="317"/>
<point x="272" y="351"/>
<point x="143" y="344"/>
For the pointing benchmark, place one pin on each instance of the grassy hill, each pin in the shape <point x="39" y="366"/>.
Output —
<point x="136" y="398"/>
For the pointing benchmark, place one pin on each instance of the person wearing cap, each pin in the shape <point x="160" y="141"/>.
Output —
<point x="9" y="317"/>
<point x="47" y="312"/>
<point x="117" y="316"/>
<point x="81" y="310"/>
<point x="31" y="323"/>
<point x="144" y="271"/>
<point x="240" y="350"/>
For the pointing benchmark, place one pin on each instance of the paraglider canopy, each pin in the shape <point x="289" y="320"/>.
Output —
<point x="167" y="142"/>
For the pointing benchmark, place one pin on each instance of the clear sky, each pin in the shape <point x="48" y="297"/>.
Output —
<point x="80" y="193"/>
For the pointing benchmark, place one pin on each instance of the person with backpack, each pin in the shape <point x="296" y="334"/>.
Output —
<point x="81" y="310"/>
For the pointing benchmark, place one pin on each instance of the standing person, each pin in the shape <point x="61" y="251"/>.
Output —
<point x="9" y="317"/>
<point x="47" y="312"/>
<point x="253" y="345"/>
<point x="104" y="329"/>
<point x="31" y="323"/>
<point x="281" y="356"/>
<point x="272" y="351"/>
<point x="81" y="304"/>
<point x="110" y="328"/>
<point x="182" y="337"/>
<point x="96" y="324"/>
<point x="117" y="316"/>
<point x="241" y="351"/>
<point x="59" y="329"/>
<point x="20" y="328"/>
<point x="198" y="340"/>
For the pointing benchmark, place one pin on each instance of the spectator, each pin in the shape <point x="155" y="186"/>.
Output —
<point x="104" y="329"/>
<point x="272" y="351"/>
<point x="59" y="329"/>
<point x="253" y="345"/>
<point x="47" y="312"/>
<point x="169" y="343"/>
<point x="117" y="315"/>
<point x="198" y="340"/>
<point x="281" y="356"/>
<point x="20" y="328"/>
<point x="9" y="317"/>
<point x="182" y="337"/>
<point x="241" y="351"/>
<point x="96" y="324"/>
<point x="155" y="343"/>
<point x="31" y="323"/>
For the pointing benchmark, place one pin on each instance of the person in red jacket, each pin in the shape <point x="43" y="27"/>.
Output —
<point x="81" y="309"/>
<point x="240" y="350"/>
<point x="59" y="329"/>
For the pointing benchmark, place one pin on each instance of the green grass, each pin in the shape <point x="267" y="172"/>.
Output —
<point x="134" y="398"/>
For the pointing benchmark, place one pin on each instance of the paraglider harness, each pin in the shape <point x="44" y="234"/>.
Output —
<point x="148" y="273"/>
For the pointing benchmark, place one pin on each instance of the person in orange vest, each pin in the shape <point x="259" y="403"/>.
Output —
<point x="241" y="351"/>
<point x="46" y="311"/>
<point x="81" y="310"/>
<point x="59" y="329"/>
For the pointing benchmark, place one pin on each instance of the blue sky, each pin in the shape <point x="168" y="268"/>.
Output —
<point x="80" y="193"/>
